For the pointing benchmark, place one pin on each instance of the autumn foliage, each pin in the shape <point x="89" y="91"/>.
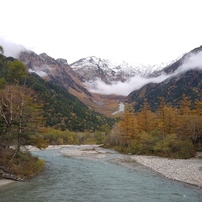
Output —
<point x="21" y="117"/>
<point x="169" y="131"/>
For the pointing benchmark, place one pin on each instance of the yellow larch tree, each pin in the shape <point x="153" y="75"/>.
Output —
<point x="146" y="118"/>
<point x="128" y="127"/>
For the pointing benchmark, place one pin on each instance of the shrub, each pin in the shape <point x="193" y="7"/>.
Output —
<point x="23" y="165"/>
<point x="174" y="147"/>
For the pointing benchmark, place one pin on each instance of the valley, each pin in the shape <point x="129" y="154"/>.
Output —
<point x="89" y="102"/>
<point x="80" y="78"/>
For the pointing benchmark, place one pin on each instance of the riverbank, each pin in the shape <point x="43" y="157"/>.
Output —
<point x="50" y="147"/>
<point x="187" y="171"/>
<point x="92" y="151"/>
<point x="5" y="182"/>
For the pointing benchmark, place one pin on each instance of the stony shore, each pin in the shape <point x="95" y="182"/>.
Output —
<point x="188" y="171"/>
<point x="93" y="151"/>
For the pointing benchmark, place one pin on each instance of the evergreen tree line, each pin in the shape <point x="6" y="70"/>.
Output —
<point x="169" y="131"/>
<point x="64" y="111"/>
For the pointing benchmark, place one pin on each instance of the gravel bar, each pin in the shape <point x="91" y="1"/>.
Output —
<point x="188" y="171"/>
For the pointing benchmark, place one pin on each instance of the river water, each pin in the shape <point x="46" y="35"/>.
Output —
<point x="96" y="180"/>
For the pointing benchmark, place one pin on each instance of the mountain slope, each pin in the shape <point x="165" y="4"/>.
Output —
<point x="185" y="78"/>
<point x="85" y="74"/>
<point x="60" y="73"/>
<point x="61" y="109"/>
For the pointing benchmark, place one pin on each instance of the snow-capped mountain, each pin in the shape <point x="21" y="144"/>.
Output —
<point x="92" y="68"/>
<point x="182" y="77"/>
<point x="100" y="83"/>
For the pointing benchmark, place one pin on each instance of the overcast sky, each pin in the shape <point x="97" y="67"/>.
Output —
<point x="138" y="31"/>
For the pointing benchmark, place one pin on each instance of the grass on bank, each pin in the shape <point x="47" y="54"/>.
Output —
<point x="22" y="166"/>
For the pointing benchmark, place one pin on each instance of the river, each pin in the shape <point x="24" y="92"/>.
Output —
<point x="121" y="109"/>
<point x="83" y="179"/>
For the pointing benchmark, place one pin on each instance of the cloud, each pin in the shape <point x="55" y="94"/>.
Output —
<point x="10" y="48"/>
<point x="192" y="61"/>
<point x="40" y="73"/>
<point x="123" y="88"/>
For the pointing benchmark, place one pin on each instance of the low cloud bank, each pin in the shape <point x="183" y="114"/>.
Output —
<point x="10" y="48"/>
<point x="39" y="72"/>
<point x="192" y="61"/>
<point x="120" y="88"/>
<point x="42" y="71"/>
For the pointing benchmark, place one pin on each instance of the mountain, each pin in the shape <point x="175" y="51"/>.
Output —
<point x="61" y="109"/>
<point x="80" y="78"/>
<point x="59" y="72"/>
<point x="169" y="81"/>
<point x="184" y="77"/>
<point x="92" y="68"/>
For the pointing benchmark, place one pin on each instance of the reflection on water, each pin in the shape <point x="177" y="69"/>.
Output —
<point x="96" y="180"/>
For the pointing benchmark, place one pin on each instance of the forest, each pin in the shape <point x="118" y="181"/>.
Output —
<point x="174" y="132"/>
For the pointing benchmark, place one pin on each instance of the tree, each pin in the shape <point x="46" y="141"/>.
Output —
<point x="114" y="137"/>
<point x="173" y="146"/>
<point x="167" y="119"/>
<point x="190" y="122"/>
<point x="146" y="119"/>
<point x="9" y="108"/>
<point x="145" y="143"/>
<point x="1" y="50"/>
<point x="128" y="127"/>
<point x="21" y="117"/>
<point x="16" y="71"/>
<point x="171" y="120"/>
<point x="30" y="120"/>
<point x="198" y="108"/>
<point x="12" y="71"/>
<point x="161" y="113"/>
<point x="185" y="105"/>
<point x="191" y="127"/>
<point x="3" y="67"/>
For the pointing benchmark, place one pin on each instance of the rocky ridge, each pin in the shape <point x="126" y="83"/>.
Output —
<point x="92" y="68"/>
<point x="58" y="71"/>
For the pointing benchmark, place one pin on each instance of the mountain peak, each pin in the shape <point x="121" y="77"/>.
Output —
<point x="62" y="61"/>
<point x="44" y="55"/>
<point x="92" y="68"/>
